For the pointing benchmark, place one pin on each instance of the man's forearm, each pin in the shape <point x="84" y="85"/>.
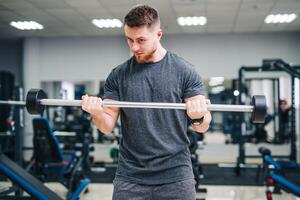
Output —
<point x="104" y="123"/>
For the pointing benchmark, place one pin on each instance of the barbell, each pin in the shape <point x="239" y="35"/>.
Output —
<point x="36" y="101"/>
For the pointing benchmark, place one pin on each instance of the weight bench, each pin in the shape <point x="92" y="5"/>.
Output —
<point x="48" y="161"/>
<point x="48" y="156"/>
<point x="276" y="176"/>
<point x="32" y="185"/>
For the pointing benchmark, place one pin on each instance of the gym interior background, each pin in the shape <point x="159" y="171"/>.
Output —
<point x="238" y="50"/>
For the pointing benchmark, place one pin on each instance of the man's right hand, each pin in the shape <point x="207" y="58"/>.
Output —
<point x="92" y="105"/>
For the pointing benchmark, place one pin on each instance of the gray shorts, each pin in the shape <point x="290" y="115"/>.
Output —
<point x="181" y="190"/>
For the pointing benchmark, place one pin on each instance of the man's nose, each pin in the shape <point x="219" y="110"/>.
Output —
<point x="135" y="47"/>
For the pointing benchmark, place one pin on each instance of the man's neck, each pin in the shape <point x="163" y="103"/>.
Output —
<point x="158" y="54"/>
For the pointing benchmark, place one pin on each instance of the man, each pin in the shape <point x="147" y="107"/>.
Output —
<point x="154" y="160"/>
<point x="284" y="117"/>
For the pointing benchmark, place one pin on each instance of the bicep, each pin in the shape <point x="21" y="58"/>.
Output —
<point x="196" y="97"/>
<point x="193" y="84"/>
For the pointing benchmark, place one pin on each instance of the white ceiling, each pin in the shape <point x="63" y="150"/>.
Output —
<point x="73" y="17"/>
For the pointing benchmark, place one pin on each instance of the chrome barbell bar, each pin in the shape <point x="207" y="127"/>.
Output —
<point x="125" y="104"/>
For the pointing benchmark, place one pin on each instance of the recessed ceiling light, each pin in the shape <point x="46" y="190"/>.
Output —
<point x="280" y="18"/>
<point x="107" y="23"/>
<point x="192" y="21"/>
<point x="26" y="25"/>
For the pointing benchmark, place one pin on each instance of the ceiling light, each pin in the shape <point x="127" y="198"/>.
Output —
<point x="27" y="25"/>
<point x="280" y="18"/>
<point x="107" y="23"/>
<point x="191" y="21"/>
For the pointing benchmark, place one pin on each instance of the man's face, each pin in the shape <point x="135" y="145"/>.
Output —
<point x="284" y="106"/>
<point x="142" y="41"/>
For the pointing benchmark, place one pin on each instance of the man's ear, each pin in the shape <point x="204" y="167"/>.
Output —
<point x="159" y="34"/>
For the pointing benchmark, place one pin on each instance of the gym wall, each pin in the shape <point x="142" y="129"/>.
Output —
<point x="223" y="55"/>
<point x="214" y="55"/>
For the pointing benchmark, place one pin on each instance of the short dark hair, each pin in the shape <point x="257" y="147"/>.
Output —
<point x="141" y="15"/>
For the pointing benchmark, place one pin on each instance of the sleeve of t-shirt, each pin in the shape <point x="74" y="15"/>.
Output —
<point x="193" y="84"/>
<point x="111" y="89"/>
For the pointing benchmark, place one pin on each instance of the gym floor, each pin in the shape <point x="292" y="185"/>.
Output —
<point x="213" y="192"/>
<point x="103" y="191"/>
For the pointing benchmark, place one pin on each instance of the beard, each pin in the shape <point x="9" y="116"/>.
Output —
<point x="146" y="57"/>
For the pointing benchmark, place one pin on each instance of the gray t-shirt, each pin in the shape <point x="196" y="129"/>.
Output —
<point x="154" y="145"/>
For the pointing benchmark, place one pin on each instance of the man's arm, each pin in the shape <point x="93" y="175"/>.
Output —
<point x="104" y="118"/>
<point x="196" y="109"/>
